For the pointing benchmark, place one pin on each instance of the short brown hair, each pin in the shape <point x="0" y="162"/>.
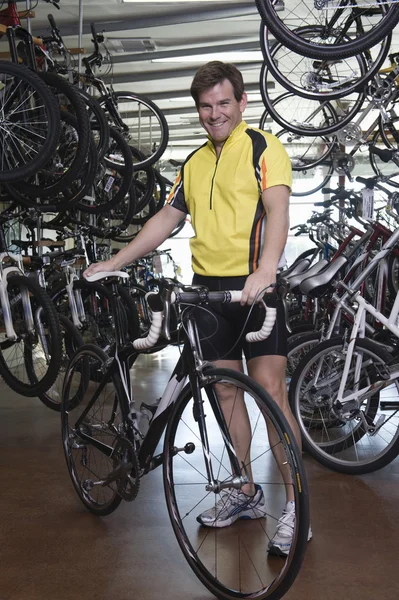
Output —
<point x="215" y="72"/>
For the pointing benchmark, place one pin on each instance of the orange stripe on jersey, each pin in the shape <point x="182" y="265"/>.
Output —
<point x="258" y="242"/>
<point x="263" y="171"/>
<point x="172" y="191"/>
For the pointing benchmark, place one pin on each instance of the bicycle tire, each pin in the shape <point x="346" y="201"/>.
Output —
<point x="98" y="123"/>
<point x="26" y="355"/>
<point x="244" y="543"/>
<point x="143" y="138"/>
<point x="101" y="421"/>
<point x="355" y="45"/>
<point x="318" y="79"/>
<point x="64" y="200"/>
<point x="71" y="341"/>
<point x="46" y="137"/>
<point x="110" y="187"/>
<point x="293" y="113"/>
<point x="338" y="446"/>
<point x="75" y="105"/>
<point x="298" y="347"/>
<point x="51" y="181"/>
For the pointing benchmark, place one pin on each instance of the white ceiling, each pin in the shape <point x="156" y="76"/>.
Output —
<point x="173" y="29"/>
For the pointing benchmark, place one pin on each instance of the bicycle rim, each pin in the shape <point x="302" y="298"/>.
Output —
<point x="344" y="444"/>
<point x="232" y="562"/>
<point x="91" y="413"/>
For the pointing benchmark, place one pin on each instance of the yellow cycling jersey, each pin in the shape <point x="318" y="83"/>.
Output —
<point x="223" y="197"/>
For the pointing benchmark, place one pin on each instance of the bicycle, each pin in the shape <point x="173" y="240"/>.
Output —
<point x="107" y="453"/>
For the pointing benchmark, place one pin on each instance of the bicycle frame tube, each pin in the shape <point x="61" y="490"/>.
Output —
<point x="5" y="303"/>
<point x="390" y="322"/>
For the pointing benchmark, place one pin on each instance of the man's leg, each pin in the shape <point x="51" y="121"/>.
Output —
<point x="270" y="373"/>
<point x="235" y="413"/>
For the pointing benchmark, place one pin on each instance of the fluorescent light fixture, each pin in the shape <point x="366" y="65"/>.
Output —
<point x="171" y="1"/>
<point x="252" y="97"/>
<point x="182" y="99"/>
<point x="250" y="55"/>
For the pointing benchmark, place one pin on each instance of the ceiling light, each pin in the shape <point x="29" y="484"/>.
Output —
<point x="170" y="1"/>
<point x="250" y="55"/>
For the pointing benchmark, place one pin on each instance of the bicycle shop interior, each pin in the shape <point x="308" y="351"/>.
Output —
<point x="344" y="175"/>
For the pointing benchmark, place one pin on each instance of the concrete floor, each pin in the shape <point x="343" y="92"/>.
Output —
<point x="51" y="548"/>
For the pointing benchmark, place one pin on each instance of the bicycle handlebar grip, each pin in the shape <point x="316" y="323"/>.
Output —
<point x="153" y="334"/>
<point x="265" y="330"/>
<point x="52" y="22"/>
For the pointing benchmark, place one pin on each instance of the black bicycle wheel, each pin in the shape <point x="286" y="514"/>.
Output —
<point x="319" y="79"/>
<point x="142" y="121"/>
<point x="101" y="458"/>
<point x="299" y="344"/>
<point x="71" y="341"/>
<point x="111" y="183"/>
<point x="232" y="562"/>
<point x="354" y="440"/>
<point x="73" y="148"/>
<point x="306" y="116"/>
<point x="36" y="347"/>
<point x="98" y="123"/>
<point x="64" y="167"/>
<point x="361" y="26"/>
<point x="30" y="122"/>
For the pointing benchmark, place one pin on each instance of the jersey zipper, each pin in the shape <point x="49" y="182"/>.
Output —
<point x="213" y="179"/>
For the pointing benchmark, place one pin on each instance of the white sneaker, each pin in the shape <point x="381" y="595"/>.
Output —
<point x="281" y="543"/>
<point x="232" y="505"/>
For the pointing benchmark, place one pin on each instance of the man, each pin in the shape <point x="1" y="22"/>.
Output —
<point x="236" y="188"/>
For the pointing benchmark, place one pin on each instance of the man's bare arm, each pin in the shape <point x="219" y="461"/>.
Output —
<point x="155" y="231"/>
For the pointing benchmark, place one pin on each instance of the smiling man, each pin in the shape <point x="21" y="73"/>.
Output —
<point x="236" y="188"/>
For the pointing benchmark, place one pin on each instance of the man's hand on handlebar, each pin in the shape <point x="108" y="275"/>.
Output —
<point x="256" y="285"/>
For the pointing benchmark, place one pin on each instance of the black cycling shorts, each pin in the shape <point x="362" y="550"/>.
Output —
<point x="222" y="327"/>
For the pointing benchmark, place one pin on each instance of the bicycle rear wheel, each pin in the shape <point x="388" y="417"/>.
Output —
<point x="232" y="562"/>
<point x="100" y="455"/>
<point x="355" y="439"/>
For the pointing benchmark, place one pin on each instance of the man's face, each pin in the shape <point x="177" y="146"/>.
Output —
<point x="219" y="112"/>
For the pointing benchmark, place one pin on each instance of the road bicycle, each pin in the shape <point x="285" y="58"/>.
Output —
<point x="108" y="449"/>
<point x="361" y="24"/>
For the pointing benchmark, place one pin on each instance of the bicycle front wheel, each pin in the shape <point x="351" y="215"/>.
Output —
<point x="143" y="122"/>
<point x="30" y="360"/>
<point x="233" y="562"/>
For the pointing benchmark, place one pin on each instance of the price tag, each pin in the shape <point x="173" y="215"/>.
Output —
<point x="368" y="204"/>
<point x="157" y="265"/>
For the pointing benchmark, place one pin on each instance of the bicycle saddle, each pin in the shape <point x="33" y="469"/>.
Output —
<point x="319" y="284"/>
<point x="298" y="267"/>
<point x="295" y="280"/>
<point x="104" y="274"/>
